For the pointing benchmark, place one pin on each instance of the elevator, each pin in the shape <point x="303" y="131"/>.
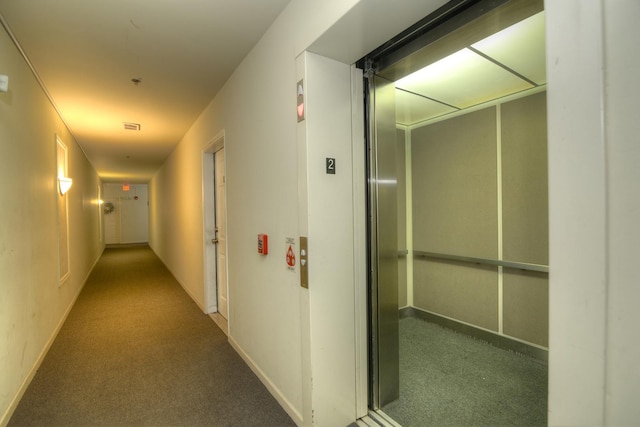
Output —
<point x="458" y="217"/>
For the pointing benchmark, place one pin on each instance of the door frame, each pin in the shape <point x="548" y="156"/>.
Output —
<point x="208" y="231"/>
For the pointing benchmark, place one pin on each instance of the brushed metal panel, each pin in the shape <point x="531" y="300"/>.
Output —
<point x="384" y="227"/>
<point x="304" y="262"/>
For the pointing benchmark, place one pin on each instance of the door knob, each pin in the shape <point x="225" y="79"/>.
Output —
<point x="214" y="241"/>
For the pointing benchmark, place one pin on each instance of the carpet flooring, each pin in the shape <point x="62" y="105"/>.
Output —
<point x="135" y="350"/>
<point x="450" y="379"/>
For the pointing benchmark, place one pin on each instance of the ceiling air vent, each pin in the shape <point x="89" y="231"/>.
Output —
<point x="131" y="126"/>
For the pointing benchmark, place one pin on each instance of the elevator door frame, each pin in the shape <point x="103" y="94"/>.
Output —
<point x="388" y="62"/>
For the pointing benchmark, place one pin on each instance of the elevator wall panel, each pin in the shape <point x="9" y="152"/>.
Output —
<point x="462" y="291"/>
<point x="454" y="186"/>
<point x="526" y="305"/>
<point x="456" y="206"/>
<point x="402" y="281"/>
<point x="524" y="180"/>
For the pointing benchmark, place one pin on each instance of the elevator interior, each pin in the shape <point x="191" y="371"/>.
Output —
<point x="458" y="185"/>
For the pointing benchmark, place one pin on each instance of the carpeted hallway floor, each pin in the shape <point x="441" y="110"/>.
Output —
<point x="137" y="351"/>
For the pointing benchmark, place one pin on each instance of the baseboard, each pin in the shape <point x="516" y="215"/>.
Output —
<point x="275" y="392"/>
<point x="125" y="245"/>
<point x="34" y="369"/>
<point x="221" y="322"/>
<point x="198" y="303"/>
<point x="500" y="341"/>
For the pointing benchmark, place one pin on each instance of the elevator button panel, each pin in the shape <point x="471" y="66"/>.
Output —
<point x="304" y="263"/>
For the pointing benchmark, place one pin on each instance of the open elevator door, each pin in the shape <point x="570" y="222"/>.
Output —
<point x="382" y="68"/>
<point x="383" y="181"/>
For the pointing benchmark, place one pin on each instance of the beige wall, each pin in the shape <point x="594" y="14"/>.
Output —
<point x="32" y="303"/>
<point x="525" y="195"/>
<point x="455" y="186"/>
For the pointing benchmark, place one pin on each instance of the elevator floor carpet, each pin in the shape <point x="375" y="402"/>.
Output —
<point x="450" y="379"/>
<point x="135" y="350"/>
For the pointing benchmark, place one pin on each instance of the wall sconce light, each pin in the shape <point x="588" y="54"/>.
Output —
<point x="64" y="184"/>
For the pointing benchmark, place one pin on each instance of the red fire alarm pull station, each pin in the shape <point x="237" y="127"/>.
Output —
<point x="263" y="244"/>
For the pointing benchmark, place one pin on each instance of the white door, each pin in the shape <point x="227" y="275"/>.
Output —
<point x="111" y="209"/>
<point x="125" y="214"/>
<point x="221" y="232"/>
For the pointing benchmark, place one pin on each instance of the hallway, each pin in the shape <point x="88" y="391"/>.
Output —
<point x="136" y="350"/>
<point x="290" y="108"/>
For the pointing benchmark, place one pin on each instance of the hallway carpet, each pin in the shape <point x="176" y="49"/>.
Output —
<point x="450" y="379"/>
<point x="137" y="351"/>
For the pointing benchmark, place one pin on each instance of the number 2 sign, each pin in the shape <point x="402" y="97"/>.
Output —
<point x="331" y="165"/>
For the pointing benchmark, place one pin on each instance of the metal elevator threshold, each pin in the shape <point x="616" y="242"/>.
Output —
<point x="376" y="419"/>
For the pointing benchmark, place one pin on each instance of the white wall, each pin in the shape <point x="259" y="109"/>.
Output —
<point x="33" y="304"/>
<point x="129" y="221"/>
<point x="325" y="201"/>
<point x="589" y="192"/>
<point x="592" y="64"/>
<point x="269" y="320"/>
<point x="256" y="110"/>
<point x="622" y="62"/>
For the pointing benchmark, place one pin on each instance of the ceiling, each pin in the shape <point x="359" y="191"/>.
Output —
<point x="507" y="62"/>
<point x="157" y="64"/>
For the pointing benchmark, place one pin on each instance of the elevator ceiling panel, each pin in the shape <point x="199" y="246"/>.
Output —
<point x="519" y="47"/>
<point x="411" y="109"/>
<point x="510" y="61"/>
<point x="462" y="80"/>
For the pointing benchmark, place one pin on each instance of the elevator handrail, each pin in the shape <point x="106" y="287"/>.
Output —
<point x="486" y="261"/>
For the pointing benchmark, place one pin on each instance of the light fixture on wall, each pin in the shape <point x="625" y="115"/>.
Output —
<point x="64" y="184"/>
